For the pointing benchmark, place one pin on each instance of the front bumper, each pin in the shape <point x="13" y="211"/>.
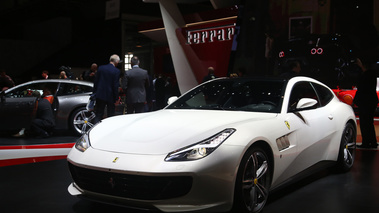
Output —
<point x="148" y="182"/>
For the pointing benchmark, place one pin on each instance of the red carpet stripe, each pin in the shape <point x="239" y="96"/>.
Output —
<point x="11" y="162"/>
<point x="44" y="146"/>
<point x="34" y="159"/>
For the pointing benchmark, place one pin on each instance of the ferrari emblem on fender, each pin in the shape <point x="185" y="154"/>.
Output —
<point x="115" y="160"/>
<point x="287" y="124"/>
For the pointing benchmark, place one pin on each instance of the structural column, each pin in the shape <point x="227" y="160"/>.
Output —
<point x="172" y="20"/>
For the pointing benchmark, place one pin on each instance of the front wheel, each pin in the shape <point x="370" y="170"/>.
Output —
<point x="253" y="181"/>
<point x="347" y="148"/>
<point x="81" y="120"/>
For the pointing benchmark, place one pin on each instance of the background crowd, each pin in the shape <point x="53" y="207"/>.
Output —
<point x="159" y="89"/>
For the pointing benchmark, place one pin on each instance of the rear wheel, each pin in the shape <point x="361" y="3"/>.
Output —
<point x="81" y="120"/>
<point x="346" y="154"/>
<point x="253" y="181"/>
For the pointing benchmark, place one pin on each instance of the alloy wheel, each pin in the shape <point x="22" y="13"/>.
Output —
<point x="255" y="181"/>
<point x="83" y="121"/>
<point x="348" y="146"/>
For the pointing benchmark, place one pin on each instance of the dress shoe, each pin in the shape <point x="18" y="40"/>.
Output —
<point x="21" y="133"/>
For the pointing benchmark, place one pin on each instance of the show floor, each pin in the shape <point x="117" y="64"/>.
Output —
<point x="42" y="187"/>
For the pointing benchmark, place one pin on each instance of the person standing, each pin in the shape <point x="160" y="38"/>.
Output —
<point x="160" y="92"/>
<point x="45" y="74"/>
<point x="294" y="70"/>
<point x="135" y="82"/>
<point x="210" y="76"/>
<point x="6" y="82"/>
<point x="62" y="75"/>
<point x="67" y="71"/>
<point x="106" y="86"/>
<point x="367" y="100"/>
<point x="89" y="75"/>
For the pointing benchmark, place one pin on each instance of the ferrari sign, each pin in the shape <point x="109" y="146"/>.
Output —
<point x="209" y="35"/>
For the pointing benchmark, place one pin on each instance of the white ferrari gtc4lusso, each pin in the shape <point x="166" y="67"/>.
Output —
<point x="222" y="146"/>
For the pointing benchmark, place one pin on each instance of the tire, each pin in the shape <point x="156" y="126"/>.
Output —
<point x="253" y="181"/>
<point x="346" y="155"/>
<point x="81" y="120"/>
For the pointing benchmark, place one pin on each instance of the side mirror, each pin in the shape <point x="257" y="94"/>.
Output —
<point x="306" y="103"/>
<point x="172" y="100"/>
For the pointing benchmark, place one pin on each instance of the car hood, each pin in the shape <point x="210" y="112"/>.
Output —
<point x="164" y="131"/>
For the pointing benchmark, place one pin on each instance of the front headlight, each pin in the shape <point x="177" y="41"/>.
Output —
<point x="82" y="144"/>
<point x="200" y="150"/>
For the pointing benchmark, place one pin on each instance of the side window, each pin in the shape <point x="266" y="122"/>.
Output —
<point x="324" y="94"/>
<point x="20" y="92"/>
<point x="27" y="90"/>
<point x="71" y="89"/>
<point x="299" y="91"/>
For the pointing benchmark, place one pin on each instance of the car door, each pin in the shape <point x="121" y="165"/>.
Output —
<point x="316" y="126"/>
<point x="69" y="97"/>
<point x="17" y="109"/>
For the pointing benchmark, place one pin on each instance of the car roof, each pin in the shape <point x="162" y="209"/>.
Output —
<point x="59" y="81"/>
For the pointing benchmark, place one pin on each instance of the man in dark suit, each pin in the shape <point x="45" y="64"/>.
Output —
<point x="135" y="82"/>
<point x="367" y="100"/>
<point x="106" y="86"/>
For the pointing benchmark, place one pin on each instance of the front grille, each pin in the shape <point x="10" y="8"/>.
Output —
<point x="131" y="186"/>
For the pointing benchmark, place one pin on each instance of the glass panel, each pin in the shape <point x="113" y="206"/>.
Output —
<point x="27" y="90"/>
<point x="71" y="89"/>
<point x="228" y="94"/>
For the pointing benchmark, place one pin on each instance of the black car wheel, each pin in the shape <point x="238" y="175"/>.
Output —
<point x="82" y="120"/>
<point x="253" y="181"/>
<point x="346" y="154"/>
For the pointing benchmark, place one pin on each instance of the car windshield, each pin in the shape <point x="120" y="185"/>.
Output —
<point x="251" y="95"/>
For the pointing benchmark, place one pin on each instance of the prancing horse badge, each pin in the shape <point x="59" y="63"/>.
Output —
<point x="115" y="160"/>
<point x="287" y="124"/>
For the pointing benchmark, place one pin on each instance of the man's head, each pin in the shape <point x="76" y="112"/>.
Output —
<point x="45" y="74"/>
<point x="36" y="94"/>
<point x="134" y="61"/>
<point x="93" y="67"/>
<point x="211" y="70"/>
<point x="114" y="59"/>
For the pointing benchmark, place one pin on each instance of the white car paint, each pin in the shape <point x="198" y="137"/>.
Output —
<point x="138" y="144"/>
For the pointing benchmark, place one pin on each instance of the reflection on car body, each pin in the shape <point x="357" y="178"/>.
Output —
<point x="223" y="145"/>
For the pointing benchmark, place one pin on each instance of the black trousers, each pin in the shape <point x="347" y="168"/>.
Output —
<point x="100" y="108"/>
<point x="366" y="121"/>
<point x="41" y="127"/>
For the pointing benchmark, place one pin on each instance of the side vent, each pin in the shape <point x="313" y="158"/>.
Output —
<point x="283" y="143"/>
